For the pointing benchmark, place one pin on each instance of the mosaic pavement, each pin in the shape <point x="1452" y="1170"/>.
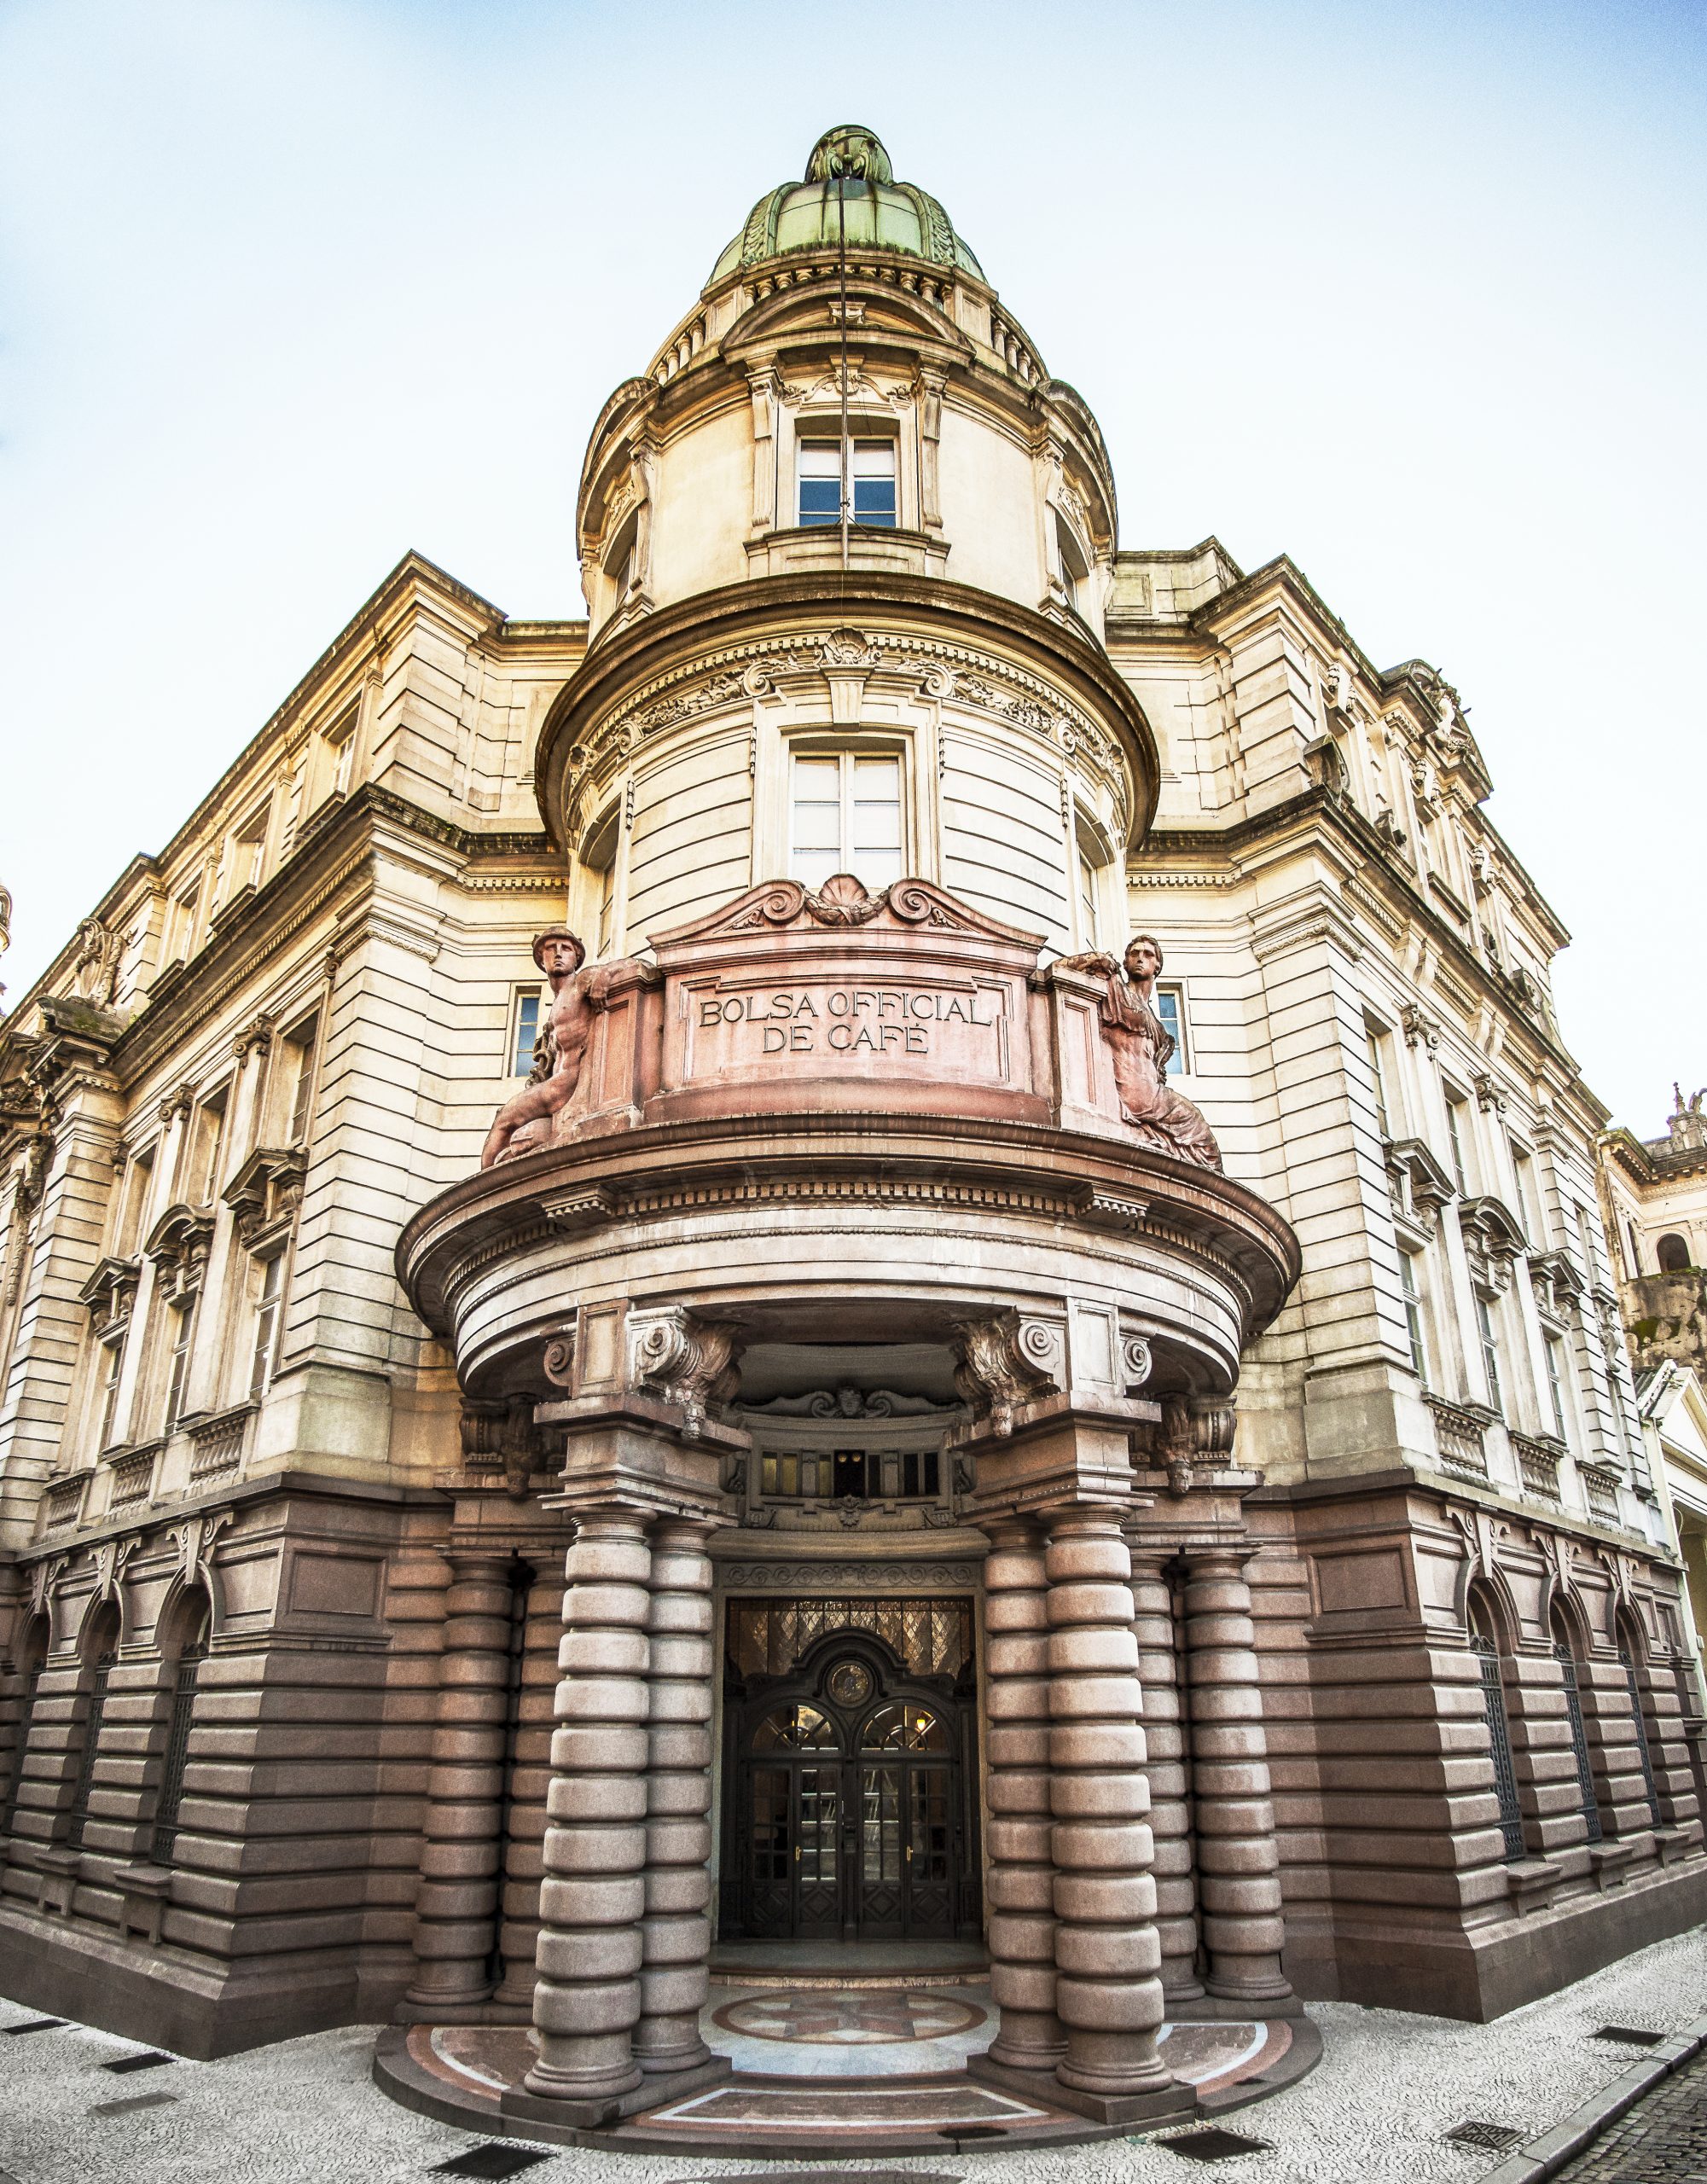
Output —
<point x="1374" y="2113"/>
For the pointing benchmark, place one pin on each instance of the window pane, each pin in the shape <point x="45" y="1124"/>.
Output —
<point x="820" y="459"/>
<point x="874" y="502"/>
<point x="812" y="868"/>
<point x="1166" y="1002"/>
<point x="526" y="1032"/>
<point x="819" y="501"/>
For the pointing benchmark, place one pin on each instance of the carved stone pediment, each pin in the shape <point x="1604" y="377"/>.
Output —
<point x="1559" y="1287"/>
<point x="110" y="1292"/>
<point x="265" y="1194"/>
<point x="178" y="1245"/>
<point x="851" y="1402"/>
<point x="1493" y="1240"/>
<point x="843" y="900"/>
<point x="1420" y="1185"/>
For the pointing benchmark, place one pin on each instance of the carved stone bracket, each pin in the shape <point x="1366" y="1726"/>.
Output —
<point x="265" y="1194"/>
<point x="679" y="1358"/>
<point x="1006" y="1361"/>
<point x="502" y="1436"/>
<point x="194" y="1543"/>
<point x="1417" y="1025"/>
<point x="1194" y="1429"/>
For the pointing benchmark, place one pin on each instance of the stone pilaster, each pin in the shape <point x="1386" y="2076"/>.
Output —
<point x="676" y="1932"/>
<point x="1166" y="1768"/>
<point x="587" y="1998"/>
<point x="1239" y="1885"/>
<point x="1022" y="1867"/>
<point x="457" y="1903"/>
<point x="1107" y="1956"/>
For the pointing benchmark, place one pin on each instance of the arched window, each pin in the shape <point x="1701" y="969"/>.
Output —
<point x="796" y="1729"/>
<point x="100" y="1650"/>
<point x="1673" y="1254"/>
<point x="1484" y="1643"/>
<point x="900" y="1727"/>
<point x="191" y="1652"/>
<point x="1564" y="1653"/>
<point x="1631" y="1652"/>
<point x="33" y="1656"/>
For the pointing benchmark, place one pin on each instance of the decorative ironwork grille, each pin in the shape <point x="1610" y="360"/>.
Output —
<point x="766" y="1637"/>
<point x="26" y="1708"/>
<point x="1643" y="1747"/>
<point x="177" y="1752"/>
<point x="1499" y="1737"/>
<point x="1579" y="1741"/>
<point x="91" y="1741"/>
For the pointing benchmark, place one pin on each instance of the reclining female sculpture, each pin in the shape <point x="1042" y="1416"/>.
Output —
<point x="1140" y="1046"/>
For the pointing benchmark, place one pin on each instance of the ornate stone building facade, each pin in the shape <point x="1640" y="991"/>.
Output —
<point x="1209" y="1564"/>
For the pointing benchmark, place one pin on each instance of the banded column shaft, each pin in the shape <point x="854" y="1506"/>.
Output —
<point x="1107" y="1954"/>
<point x="1165" y="1769"/>
<point x="675" y="1933"/>
<point x="1237" y="1860"/>
<point x="1021" y="1865"/>
<point x="593" y="1896"/>
<point x="456" y="1905"/>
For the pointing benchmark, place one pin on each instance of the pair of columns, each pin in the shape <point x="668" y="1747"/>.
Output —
<point x="1081" y="1943"/>
<point x="621" y="1971"/>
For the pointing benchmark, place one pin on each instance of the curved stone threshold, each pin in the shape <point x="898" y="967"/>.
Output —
<point x="468" y="2075"/>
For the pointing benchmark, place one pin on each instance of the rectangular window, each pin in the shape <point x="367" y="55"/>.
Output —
<point x="1414" y="1319"/>
<point x="821" y="482"/>
<point x="209" y="1143"/>
<point x="177" y="1376"/>
<point x="266" y="1327"/>
<point x="1490" y="1354"/>
<point x="183" y="938"/>
<point x="874" y="483"/>
<point x="302" y="1093"/>
<point x="523" y="1030"/>
<point x="1528" y="1199"/>
<point x="112" y="1366"/>
<point x="845" y="816"/>
<point x="1378" y="1079"/>
<point x="1087" y="902"/>
<point x="1170" y="1004"/>
<point x="1632" y="1249"/>
<point x="1555" y="1381"/>
<point x="249" y="849"/>
<point x="1454" y="1138"/>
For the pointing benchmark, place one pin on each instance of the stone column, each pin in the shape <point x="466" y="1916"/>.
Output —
<point x="675" y="1933"/>
<point x="1107" y="1956"/>
<point x="1239" y="1884"/>
<point x="1022" y="1866"/>
<point x="456" y="1907"/>
<point x="587" y="1996"/>
<point x="1165" y="1767"/>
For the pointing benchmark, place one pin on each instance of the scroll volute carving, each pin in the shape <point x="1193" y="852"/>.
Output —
<point x="1006" y="1360"/>
<point x="678" y="1357"/>
<point x="501" y="1437"/>
<point x="1195" y="1431"/>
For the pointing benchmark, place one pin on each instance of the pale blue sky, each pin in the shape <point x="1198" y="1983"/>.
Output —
<point x="1412" y="294"/>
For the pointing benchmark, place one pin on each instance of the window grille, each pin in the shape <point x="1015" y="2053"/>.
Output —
<point x="933" y="1637"/>
<point x="1643" y="1748"/>
<point x="1579" y="1742"/>
<point x="177" y="1752"/>
<point x="1499" y="1738"/>
<point x="91" y="1744"/>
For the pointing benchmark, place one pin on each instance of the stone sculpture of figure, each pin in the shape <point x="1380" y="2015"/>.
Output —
<point x="1141" y="1046"/>
<point x="95" y="972"/>
<point x="523" y="1124"/>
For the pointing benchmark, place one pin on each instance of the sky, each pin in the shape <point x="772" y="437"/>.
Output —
<point x="1413" y="293"/>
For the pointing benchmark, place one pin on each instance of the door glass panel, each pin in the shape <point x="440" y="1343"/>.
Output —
<point x="798" y="1728"/>
<point x="928" y="1820"/>
<point x="880" y="1852"/>
<point x="770" y="1844"/>
<point x="820" y="1820"/>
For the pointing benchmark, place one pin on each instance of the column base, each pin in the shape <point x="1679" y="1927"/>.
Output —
<point x="594" y="2112"/>
<point x="1177" y="2101"/>
<point x="1208" y="2008"/>
<point x="449" y="2009"/>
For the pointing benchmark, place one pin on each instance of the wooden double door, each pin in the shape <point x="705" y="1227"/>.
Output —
<point x="850" y="1818"/>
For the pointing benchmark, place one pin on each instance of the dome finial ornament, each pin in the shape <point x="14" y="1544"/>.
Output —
<point x="851" y="150"/>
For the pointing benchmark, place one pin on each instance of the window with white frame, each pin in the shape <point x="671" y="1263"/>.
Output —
<point x="263" y="1356"/>
<point x="1490" y="1335"/>
<point x="1376" y="1041"/>
<point x="845" y="816"/>
<point x="206" y="1145"/>
<point x="871" y="483"/>
<point x="1457" y="1125"/>
<point x="181" y="939"/>
<point x="181" y="1326"/>
<point x="1074" y="565"/>
<point x="600" y="857"/>
<point x="1529" y="1197"/>
<point x="249" y="849"/>
<point x="300" y="1046"/>
<point x="112" y="1370"/>
<point x="524" y="1029"/>
<point x="1088" y="917"/>
<point x="1556" y="1370"/>
<point x="339" y="741"/>
<point x="1169" y="1005"/>
<point x="1411" y="1292"/>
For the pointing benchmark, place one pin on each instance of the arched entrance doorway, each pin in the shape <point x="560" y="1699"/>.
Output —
<point x="850" y="1818"/>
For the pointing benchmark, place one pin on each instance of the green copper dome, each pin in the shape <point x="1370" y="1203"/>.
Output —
<point x="848" y="164"/>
